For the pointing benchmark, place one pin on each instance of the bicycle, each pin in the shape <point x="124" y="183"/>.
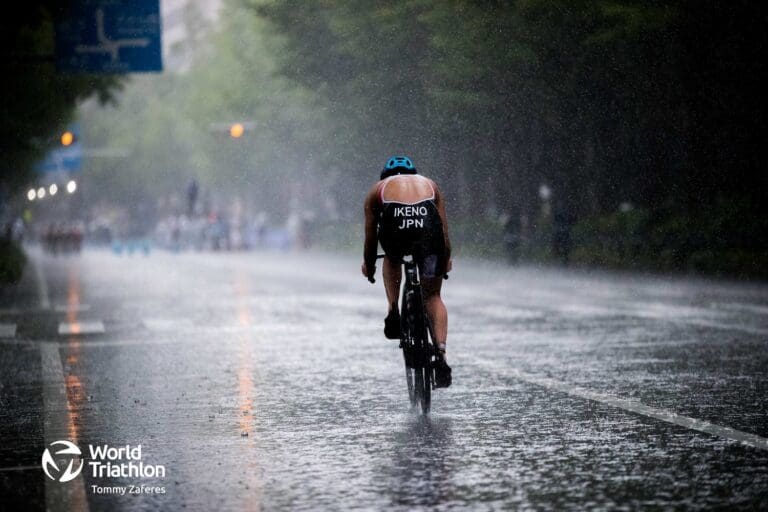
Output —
<point x="416" y="338"/>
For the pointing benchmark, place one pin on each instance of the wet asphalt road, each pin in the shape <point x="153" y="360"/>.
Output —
<point x="261" y="381"/>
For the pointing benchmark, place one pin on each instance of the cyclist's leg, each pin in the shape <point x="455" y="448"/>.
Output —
<point x="392" y="274"/>
<point x="432" y="269"/>
<point x="438" y="315"/>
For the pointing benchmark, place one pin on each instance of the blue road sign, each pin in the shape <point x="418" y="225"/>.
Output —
<point x="63" y="160"/>
<point x="109" y="36"/>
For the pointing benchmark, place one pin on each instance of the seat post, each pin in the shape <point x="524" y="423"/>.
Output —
<point x="411" y="272"/>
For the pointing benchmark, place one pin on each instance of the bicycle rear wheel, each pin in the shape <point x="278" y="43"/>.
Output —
<point x="423" y="385"/>
<point x="423" y="359"/>
<point x="409" y="379"/>
<point x="415" y="342"/>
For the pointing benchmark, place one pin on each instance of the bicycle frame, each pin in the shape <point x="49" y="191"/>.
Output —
<point x="416" y="334"/>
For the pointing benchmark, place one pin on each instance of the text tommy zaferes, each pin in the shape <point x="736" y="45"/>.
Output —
<point x="125" y="461"/>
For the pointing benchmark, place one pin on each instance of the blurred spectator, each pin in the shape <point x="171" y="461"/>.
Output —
<point x="63" y="238"/>
<point x="561" y="236"/>
<point x="18" y="230"/>
<point x="511" y="236"/>
<point x="192" y="191"/>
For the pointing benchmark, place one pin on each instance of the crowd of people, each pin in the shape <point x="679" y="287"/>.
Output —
<point x="221" y="232"/>
<point x="62" y="237"/>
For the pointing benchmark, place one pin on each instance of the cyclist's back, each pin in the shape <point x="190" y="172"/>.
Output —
<point x="409" y="221"/>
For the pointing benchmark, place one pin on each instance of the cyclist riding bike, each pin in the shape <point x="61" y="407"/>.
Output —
<point x="405" y="212"/>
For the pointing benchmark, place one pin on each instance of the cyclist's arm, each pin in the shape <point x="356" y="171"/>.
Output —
<point x="371" y="238"/>
<point x="440" y="203"/>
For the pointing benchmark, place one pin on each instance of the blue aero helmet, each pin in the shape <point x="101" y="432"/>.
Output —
<point x="398" y="164"/>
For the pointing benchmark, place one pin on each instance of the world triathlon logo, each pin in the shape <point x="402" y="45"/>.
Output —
<point x="70" y="452"/>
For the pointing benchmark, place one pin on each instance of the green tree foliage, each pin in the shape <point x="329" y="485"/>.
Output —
<point x="174" y="127"/>
<point x="654" y="105"/>
<point x="37" y="102"/>
<point x="12" y="262"/>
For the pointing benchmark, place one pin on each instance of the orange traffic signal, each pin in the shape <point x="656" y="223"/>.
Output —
<point x="67" y="138"/>
<point x="236" y="130"/>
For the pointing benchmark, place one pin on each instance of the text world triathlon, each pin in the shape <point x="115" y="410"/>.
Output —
<point x="111" y="462"/>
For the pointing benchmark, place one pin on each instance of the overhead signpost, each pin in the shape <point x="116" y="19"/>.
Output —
<point x="109" y="36"/>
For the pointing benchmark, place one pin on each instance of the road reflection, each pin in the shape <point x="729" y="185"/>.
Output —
<point x="75" y="392"/>
<point x="73" y="299"/>
<point x="245" y="392"/>
<point x="422" y="469"/>
<point x="76" y="395"/>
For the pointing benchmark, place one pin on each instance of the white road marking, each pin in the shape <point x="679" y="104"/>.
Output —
<point x="740" y="306"/>
<point x="20" y="468"/>
<point x="726" y="327"/>
<point x="166" y="324"/>
<point x="13" y="341"/>
<point x="91" y="327"/>
<point x="75" y="308"/>
<point x="42" y="286"/>
<point x="667" y="315"/>
<point x="101" y="343"/>
<point x="137" y="342"/>
<point x="656" y="311"/>
<point x="700" y="322"/>
<point x="128" y="342"/>
<point x="7" y="330"/>
<point x="70" y="496"/>
<point x="634" y="406"/>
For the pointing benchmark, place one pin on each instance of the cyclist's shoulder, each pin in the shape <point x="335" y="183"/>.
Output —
<point x="433" y="184"/>
<point x="378" y="188"/>
<point x="375" y="188"/>
<point x="420" y="178"/>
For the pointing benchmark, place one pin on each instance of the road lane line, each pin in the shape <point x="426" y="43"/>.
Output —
<point x="42" y="285"/>
<point x="75" y="308"/>
<point x="636" y="407"/>
<point x="20" y="468"/>
<point x="741" y="306"/>
<point x="13" y="341"/>
<point x="715" y="325"/>
<point x="628" y="309"/>
<point x="166" y="324"/>
<point x="74" y="328"/>
<point x="7" y="330"/>
<point x="56" y="419"/>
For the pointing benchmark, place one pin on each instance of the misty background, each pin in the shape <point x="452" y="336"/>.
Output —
<point x="615" y="133"/>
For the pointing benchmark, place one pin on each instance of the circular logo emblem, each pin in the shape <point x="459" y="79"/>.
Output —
<point x="69" y="452"/>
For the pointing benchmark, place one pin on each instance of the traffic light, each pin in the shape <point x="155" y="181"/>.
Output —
<point x="236" y="130"/>
<point x="67" y="138"/>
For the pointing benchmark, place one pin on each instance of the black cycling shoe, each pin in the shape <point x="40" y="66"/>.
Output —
<point x="392" y="325"/>
<point x="442" y="373"/>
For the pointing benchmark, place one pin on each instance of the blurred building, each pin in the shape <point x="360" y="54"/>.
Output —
<point x="186" y="23"/>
